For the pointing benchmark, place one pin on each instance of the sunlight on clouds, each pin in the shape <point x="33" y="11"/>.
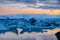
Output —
<point x="28" y="11"/>
<point x="29" y="6"/>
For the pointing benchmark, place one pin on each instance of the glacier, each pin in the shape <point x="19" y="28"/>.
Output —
<point x="28" y="23"/>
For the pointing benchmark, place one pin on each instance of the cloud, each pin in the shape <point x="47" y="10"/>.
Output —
<point x="16" y="3"/>
<point x="45" y="4"/>
<point x="20" y="1"/>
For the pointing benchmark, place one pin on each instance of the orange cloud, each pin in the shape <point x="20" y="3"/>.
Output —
<point x="28" y="10"/>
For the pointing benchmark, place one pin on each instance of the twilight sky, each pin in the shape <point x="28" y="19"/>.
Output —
<point x="29" y="6"/>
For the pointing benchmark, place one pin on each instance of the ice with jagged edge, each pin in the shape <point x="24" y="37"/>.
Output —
<point x="28" y="23"/>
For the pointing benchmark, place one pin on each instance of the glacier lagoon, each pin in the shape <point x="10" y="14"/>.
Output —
<point x="28" y="23"/>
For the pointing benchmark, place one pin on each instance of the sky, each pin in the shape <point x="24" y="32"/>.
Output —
<point x="30" y="7"/>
